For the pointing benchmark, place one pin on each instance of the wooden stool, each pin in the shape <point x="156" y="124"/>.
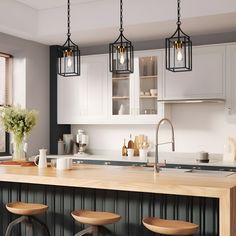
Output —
<point x="27" y="212"/>
<point x="95" y="219"/>
<point x="170" y="227"/>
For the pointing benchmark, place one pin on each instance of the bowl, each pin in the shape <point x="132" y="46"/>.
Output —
<point x="153" y="92"/>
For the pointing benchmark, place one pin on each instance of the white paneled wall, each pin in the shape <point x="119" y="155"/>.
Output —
<point x="197" y="127"/>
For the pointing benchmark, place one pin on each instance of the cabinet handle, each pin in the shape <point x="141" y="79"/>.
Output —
<point x="107" y="163"/>
<point x="80" y="162"/>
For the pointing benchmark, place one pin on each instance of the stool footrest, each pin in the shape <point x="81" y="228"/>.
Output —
<point x="91" y="229"/>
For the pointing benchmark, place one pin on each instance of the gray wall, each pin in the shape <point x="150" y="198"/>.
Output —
<point x="31" y="84"/>
<point x="160" y="43"/>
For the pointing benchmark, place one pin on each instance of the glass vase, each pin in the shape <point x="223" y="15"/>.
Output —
<point x="18" y="150"/>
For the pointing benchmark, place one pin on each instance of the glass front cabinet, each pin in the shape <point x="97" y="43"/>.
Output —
<point x="134" y="97"/>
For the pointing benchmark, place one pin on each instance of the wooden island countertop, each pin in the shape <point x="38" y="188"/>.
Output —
<point x="138" y="179"/>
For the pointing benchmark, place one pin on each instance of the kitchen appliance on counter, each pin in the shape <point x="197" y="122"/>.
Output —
<point x="81" y="142"/>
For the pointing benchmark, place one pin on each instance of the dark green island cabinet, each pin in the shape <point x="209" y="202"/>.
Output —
<point x="132" y="206"/>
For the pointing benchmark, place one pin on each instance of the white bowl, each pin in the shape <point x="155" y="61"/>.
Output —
<point x="153" y="92"/>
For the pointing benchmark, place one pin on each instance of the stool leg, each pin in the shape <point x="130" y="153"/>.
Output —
<point x="45" y="231"/>
<point x="85" y="231"/>
<point x="95" y="230"/>
<point x="29" y="226"/>
<point x="13" y="223"/>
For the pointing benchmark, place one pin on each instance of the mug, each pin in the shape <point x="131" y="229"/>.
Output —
<point x="64" y="163"/>
<point x="130" y="152"/>
<point x="143" y="154"/>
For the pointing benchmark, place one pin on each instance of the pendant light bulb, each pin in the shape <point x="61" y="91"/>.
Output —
<point x="121" y="51"/>
<point x="69" y="62"/>
<point x="122" y="58"/>
<point x="179" y="50"/>
<point x="179" y="55"/>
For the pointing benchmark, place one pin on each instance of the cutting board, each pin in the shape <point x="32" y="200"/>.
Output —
<point x="21" y="163"/>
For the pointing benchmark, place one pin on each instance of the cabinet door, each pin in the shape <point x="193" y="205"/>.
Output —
<point x="121" y="97"/>
<point x="96" y="77"/>
<point x="83" y="99"/>
<point x="206" y="80"/>
<point x="71" y="97"/>
<point x="148" y="80"/>
<point x="231" y="83"/>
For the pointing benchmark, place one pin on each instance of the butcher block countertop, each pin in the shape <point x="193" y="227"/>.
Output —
<point x="221" y="185"/>
<point x="140" y="179"/>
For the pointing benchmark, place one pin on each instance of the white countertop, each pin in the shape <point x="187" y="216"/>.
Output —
<point x="216" y="160"/>
<point x="170" y="158"/>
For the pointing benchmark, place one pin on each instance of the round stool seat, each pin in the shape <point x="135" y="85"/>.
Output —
<point x="27" y="209"/>
<point x="170" y="227"/>
<point x="95" y="217"/>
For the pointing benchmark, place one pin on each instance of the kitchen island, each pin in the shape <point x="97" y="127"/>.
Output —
<point x="135" y="191"/>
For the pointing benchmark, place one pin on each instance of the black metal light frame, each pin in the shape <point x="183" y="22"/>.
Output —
<point x="68" y="50"/>
<point x="122" y="46"/>
<point x="178" y="41"/>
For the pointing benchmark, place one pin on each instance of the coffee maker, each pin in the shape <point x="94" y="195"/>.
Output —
<point x="81" y="142"/>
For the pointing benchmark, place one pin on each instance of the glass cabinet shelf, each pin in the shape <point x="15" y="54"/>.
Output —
<point x="148" y="77"/>
<point x="119" y="98"/>
<point x="120" y="78"/>
<point x="148" y="97"/>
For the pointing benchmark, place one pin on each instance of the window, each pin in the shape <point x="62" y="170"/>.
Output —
<point x="5" y="96"/>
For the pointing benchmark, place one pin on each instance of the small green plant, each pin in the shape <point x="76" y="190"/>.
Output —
<point x="18" y="121"/>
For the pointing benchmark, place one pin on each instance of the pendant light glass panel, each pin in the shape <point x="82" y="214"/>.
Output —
<point x="121" y="52"/>
<point x="68" y="59"/>
<point x="179" y="53"/>
<point x="121" y="56"/>
<point x="178" y="49"/>
<point x="68" y="53"/>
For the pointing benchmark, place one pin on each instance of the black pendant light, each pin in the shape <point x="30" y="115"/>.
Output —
<point x="68" y="54"/>
<point x="121" y="52"/>
<point x="178" y="49"/>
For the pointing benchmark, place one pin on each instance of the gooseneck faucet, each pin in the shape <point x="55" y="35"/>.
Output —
<point x="162" y="121"/>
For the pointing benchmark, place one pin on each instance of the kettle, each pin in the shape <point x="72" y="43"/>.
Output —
<point x="229" y="150"/>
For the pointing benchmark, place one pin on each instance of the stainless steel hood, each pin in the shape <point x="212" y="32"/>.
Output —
<point x="197" y="100"/>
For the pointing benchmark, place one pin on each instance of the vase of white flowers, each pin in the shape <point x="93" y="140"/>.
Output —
<point x="19" y="122"/>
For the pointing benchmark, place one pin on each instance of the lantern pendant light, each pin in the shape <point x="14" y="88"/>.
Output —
<point x="68" y="53"/>
<point x="121" y="52"/>
<point x="178" y="49"/>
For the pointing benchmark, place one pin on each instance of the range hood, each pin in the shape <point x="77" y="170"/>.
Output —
<point x="197" y="100"/>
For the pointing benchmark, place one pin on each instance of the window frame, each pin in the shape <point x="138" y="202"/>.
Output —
<point x="8" y="98"/>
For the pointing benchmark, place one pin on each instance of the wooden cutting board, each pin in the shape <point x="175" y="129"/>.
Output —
<point x="21" y="163"/>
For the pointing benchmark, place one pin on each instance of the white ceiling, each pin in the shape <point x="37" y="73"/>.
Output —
<point x="95" y="22"/>
<point x="47" y="4"/>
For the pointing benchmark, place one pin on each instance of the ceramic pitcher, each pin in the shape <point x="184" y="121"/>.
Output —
<point x="42" y="158"/>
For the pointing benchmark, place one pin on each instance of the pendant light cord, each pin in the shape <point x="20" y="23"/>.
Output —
<point x="121" y="16"/>
<point x="178" y="13"/>
<point x="68" y="19"/>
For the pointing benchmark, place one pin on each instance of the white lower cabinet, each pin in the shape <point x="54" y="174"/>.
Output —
<point x="205" y="81"/>
<point x="83" y="99"/>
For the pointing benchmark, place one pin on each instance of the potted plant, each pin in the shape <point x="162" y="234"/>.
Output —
<point x="18" y="122"/>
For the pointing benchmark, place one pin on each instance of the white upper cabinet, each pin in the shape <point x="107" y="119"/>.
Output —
<point x="133" y="98"/>
<point x="231" y="83"/>
<point x="83" y="99"/>
<point x="206" y="80"/>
